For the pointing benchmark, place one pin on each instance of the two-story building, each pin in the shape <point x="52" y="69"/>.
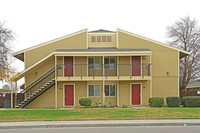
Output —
<point x="110" y="67"/>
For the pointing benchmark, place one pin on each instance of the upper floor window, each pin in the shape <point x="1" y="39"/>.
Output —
<point x="93" y="39"/>
<point x="98" y="38"/>
<point x="94" y="63"/>
<point x="109" y="62"/>
<point x="103" y="38"/>
<point x="109" y="39"/>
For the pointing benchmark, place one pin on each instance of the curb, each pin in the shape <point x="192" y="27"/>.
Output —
<point x="97" y="125"/>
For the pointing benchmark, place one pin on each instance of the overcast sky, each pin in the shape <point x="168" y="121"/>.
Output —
<point x="38" y="21"/>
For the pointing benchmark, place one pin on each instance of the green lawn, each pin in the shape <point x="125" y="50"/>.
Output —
<point x="99" y="114"/>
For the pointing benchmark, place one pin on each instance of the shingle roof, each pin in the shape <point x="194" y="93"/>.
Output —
<point x="195" y="83"/>
<point x="99" y="50"/>
<point x="100" y="30"/>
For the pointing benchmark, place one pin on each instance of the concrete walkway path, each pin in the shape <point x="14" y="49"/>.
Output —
<point x="99" y="123"/>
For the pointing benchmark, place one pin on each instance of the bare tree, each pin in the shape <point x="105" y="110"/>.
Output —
<point x="6" y="36"/>
<point x="185" y="34"/>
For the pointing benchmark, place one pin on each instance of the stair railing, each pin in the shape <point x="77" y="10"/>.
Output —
<point x="36" y="85"/>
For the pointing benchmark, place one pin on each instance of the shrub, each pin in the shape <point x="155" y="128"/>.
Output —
<point x="124" y="106"/>
<point x="103" y="105"/>
<point x="96" y="103"/>
<point x="86" y="102"/>
<point x="156" y="102"/>
<point x="173" y="101"/>
<point x="191" y="101"/>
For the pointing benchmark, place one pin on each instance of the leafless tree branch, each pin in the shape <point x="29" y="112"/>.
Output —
<point x="185" y="34"/>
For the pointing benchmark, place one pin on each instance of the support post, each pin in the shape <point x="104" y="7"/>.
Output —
<point x="117" y="93"/>
<point x="117" y="66"/>
<point x="56" y="89"/>
<point x="103" y="67"/>
<point x="151" y="90"/>
<point x="103" y="91"/>
<point x="11" y="96"/>
<point x="15" y="93"/>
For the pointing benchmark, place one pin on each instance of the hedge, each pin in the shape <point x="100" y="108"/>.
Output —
<point x="173" y="101"/>
<point x="86" y="102"/>
<point x="156" y="102"/>
<point x="191" y="101"/>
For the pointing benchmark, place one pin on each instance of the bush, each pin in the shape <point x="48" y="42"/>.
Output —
<point x="191" y="101"/>
<point x="124" y="106"/>
<point x="86" y="102"/>
<point x="156" y="102"/>
<point x="173" y="101"/>
<point x="96" y="103"/>
<point x="103" y="105"/>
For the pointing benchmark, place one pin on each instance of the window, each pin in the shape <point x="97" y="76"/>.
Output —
<point x="98" y="38"/>
<point x="109" y="39"/>
<point x="94" y="90"/>
<point x="94" y="63"/>
<point x="93" y="39"/>
<point x="109" y="63"/>
<point x="103" y="38"/>
<point x="109" y="90"/>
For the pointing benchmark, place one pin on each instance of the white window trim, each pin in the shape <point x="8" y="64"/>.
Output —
<point x="109" y="90"/>
<point x="94" y="90"/>
<point x="109" y="63"/>
<point x="94" y="63"/>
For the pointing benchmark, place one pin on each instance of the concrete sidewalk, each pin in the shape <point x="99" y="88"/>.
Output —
<point x="99" y="123"/>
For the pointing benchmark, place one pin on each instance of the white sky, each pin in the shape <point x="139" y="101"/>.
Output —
<point x="38" y="21"/>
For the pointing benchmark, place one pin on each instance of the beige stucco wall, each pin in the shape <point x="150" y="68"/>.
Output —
<point x="124" y="65"/>
<point x="163" y="60"/>
<point x="125" y="95"/>
<point x="80" y="66"/>
<point x="41" y="69"/>
<point x="74" y="42"/>
<point x="46" y="100"/>
<point x="80" y="91"/>
<point x="5" y="91"/>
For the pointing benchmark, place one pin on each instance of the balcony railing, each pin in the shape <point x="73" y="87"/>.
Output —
<point x="95" y="70"/>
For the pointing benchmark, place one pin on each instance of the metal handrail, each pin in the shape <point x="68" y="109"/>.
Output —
<point x="37" y="84"/>
<point x="104" y="69"/>
<point x="38" y="80"/>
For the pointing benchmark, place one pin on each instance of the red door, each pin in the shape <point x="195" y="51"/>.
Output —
<point x="69" y="95"/>
<point x="135" y="65"/>
<point x="68" y="66"/>
<point x="135" y="94"/>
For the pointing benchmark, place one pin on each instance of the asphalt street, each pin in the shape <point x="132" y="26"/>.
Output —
<point x="140" y="129"/>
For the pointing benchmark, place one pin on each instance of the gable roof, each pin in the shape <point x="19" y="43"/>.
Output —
<point x="99" y="31"/>
<point x="100" y="50"/>
<point x="20" y="54"/>
<point x="183" y="53"/>
<point x="194" y="84"/>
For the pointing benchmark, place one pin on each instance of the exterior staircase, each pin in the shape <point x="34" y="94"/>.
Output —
<point x="37" y="88"/>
